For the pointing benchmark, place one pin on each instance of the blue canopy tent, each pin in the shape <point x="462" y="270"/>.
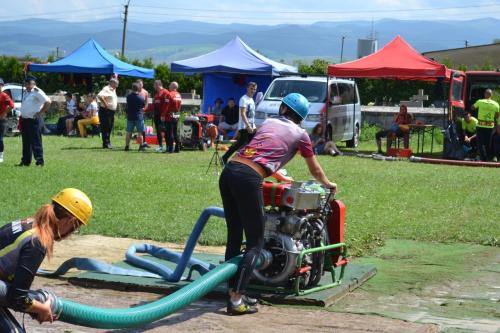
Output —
<point x="228" y="70"/>
<point x="91" y="58"/>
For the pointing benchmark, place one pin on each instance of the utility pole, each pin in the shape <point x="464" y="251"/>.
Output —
<point x="466" y="43"/>
<point x="124" y="28"/>
<point x="342" y="49"/>
<point x="57" y="52"/>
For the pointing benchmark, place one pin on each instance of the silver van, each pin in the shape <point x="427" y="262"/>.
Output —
<point x="338" y="99"/>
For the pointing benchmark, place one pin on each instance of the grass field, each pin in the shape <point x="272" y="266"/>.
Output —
<point x="159" y="196"/>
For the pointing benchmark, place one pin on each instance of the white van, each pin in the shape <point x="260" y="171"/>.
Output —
<point x="338" y="98"/>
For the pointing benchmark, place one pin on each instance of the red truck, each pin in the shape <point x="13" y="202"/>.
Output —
<point x="467" y="87"/>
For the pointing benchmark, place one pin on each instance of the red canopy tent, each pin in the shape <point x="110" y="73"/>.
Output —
<point x="396" y="60"/>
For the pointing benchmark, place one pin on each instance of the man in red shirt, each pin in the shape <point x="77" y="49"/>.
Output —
<point x="171" y="117"/>
<point x="160" y="106"/>
<point x="6" y="104"/>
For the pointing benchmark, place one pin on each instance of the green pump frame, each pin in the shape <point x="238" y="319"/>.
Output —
<point x="329" y="266"/>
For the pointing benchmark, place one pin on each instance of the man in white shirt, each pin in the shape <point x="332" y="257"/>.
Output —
<point x="34" y="104"/>
<point x="246" y="123"/>
<point x="108" y="102"/>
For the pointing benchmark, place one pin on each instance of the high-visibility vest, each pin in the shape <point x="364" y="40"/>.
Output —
<point x="487" y="108"/>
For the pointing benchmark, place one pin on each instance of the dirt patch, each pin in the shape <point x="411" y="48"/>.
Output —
<point x="209" y="316"/>
<point x="201" y="316"/>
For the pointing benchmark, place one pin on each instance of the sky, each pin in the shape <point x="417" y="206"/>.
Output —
<point x="269" y="12"/>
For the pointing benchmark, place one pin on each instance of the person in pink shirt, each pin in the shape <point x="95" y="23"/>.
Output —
<point x="275" y="143"/>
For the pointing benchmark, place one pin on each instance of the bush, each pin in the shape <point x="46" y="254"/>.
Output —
<point x="368" y="132"/>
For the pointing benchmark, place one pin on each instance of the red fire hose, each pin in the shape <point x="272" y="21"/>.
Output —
<point x="454" y="162"/>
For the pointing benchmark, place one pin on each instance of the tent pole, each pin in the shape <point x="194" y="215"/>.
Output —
<point x="445" y="104"/>
<point x="325" y="116"/>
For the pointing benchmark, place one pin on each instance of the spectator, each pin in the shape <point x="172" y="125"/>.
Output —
<point x="160" y="105"/>
<point x="145" y="94"/>
<point x="216" y="110"/>
<point x="467" y="131"/>
<point x="70" y="113"/>
<point x="246" y="122"/>
<point x="487" y="115"/>
<point x="34" y="104"/>
<point x="171" y="118"/>
<point x="72" y="124"/>
<point x="135" y="116"/>
<point x="229" y="117"/>
<point x="6" y="104"/>
<point x="108" y="102"/>
<point x="399" y="128"/>
<point x="90" y="115"/>
<point x="320" y="144"/>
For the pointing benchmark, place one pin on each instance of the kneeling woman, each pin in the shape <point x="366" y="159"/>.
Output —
<point x="23" y="246"/>
<point x="275" y="143"/>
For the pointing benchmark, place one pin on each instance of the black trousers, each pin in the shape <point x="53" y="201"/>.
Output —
<point x="496" y="145"/>
<point x="3" y="130"/>
<point x="243" y="138"/>
<point x="8" y="323"/>
<point x="483" y="136"/>
<point x="160" y="128"/>
<point x="31" y="131"/>
<point x="61" y="124"/>
<point x="171" y="134"/>
<point x="107" y="121"/>
<point x="241" y="191"/>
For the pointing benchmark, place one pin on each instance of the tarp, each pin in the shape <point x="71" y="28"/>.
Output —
<point x="91" y="58"/>
<point x="224" y="86"/>
<point x="227" y="71"/>
<point x="235" y="57"/>
<point x="396" y="60"/>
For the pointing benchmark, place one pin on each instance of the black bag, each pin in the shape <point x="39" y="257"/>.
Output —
<point x="453" y="148"/>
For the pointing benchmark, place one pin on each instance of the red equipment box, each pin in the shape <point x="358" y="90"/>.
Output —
<point x="273" y="193"/>
<point x="396" y="152"/>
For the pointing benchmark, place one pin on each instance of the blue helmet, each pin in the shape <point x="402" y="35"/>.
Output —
<point x="298" y="104"/>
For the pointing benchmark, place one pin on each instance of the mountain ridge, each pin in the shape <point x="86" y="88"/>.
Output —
<point x="175" y="40"/>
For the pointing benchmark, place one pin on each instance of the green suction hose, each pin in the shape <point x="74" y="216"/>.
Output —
<point x="89" y="316"/>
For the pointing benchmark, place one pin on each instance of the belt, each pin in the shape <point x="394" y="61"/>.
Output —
<point x="485" y="123"/>
<point x="256" y="167"/>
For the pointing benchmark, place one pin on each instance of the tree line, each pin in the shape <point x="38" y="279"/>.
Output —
<point x="378" y="92"/>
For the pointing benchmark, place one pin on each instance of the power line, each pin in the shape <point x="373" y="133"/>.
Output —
<point x="260" y="18"/>
<point x="322" y="11"/>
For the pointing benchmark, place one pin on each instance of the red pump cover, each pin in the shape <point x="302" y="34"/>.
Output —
<point x="335" y="227"/>
<point x="273" y="193"/>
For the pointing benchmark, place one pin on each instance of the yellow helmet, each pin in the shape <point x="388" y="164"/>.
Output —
<point x="76" y="202"/>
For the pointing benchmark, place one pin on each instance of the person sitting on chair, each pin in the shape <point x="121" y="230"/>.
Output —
<point x="229" y="117"/>
<point x="90" y="115"/>
<point x="216" y="110"/>
<point x="399" y="128"/>
<point x="70" y="114"/>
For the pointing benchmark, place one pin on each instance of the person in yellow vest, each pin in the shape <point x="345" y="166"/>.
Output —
<point x="468" y="125"/>
<point x="24" y="244"/>
<point x="487" y="115"/>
